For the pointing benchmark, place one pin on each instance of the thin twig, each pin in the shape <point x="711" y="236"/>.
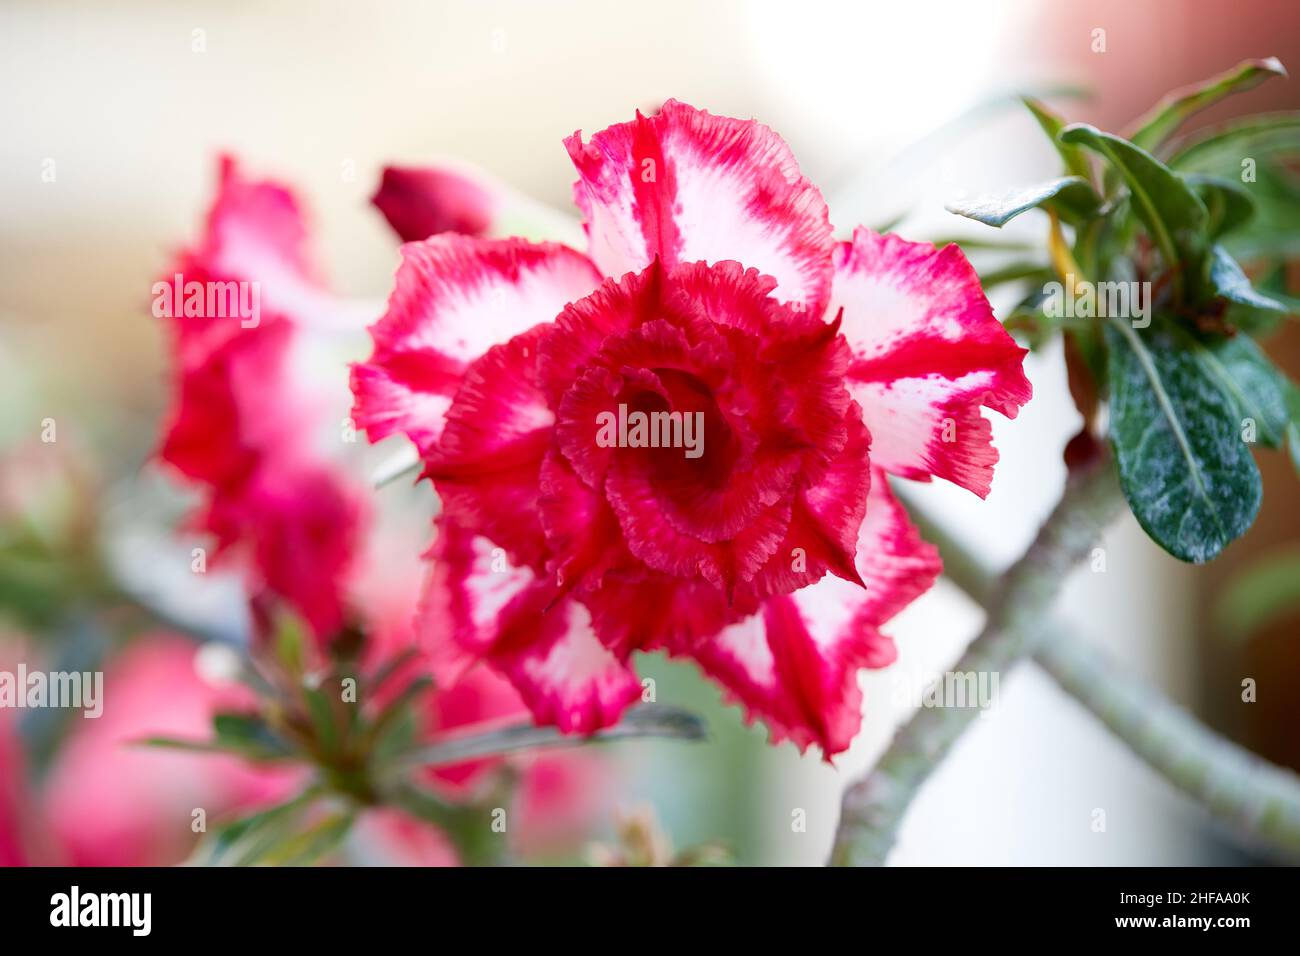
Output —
<point x="1255" y="801"/>
<point x="873" y="807"/>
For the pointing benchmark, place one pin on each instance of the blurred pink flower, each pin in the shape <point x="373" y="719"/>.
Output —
<point x="110" y="802"/>
<point x="420" y="202"/>
<point x="13" y="775"/>
<point x="242" y="425"/>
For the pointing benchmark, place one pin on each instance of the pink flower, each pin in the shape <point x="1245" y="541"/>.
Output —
<point x="712" y="290"/>
<point x="423" y="202"/>
<point x="108" y="801"/>
<point x="242" y="427"/>
<point x="13" y="810"/>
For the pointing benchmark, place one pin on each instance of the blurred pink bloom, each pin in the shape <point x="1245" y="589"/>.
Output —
<point x="420" y="202"/>
<point x="242" y="424"/>
<point x="13" y="774"/>
<point x="110" y="802"/>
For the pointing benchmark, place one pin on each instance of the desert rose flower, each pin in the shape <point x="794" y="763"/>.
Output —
<point x="245" y="424"/>
<point x="792" y="373"/>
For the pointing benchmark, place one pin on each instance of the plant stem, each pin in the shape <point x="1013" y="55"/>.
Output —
<point x="873" y="807"/>
<point x="1256" y="801"/>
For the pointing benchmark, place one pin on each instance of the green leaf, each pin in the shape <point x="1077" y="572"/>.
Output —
<point x="250" y="835"/>
<point x="176" y="743"/>
<point x="1073" y="199"/>
<point x="986" y="243"/>
<point x="1188" y="477"/>
<point x="1172" y="213"/>
<point x="1159" y="123"/>
<point x="1264" y="591"/>
<point x="1230" y="282"/>
<point x="1248" y="378"/>
<point x="1272" y="234"/>
<point x="322" y="718"/>
<point x="290" y="641"/>
<point x="1229" y="204"/>
<point x="391" y="728"/>
<point x="245" y="751"/>
<point x="1076" y="162"/>
<point x="1036" y="272"/>
<point x="648" y="720"/>
<point x="309" y="845"/>
<point x="1261" y="322"/>
<point x="1222" y="150"/>
<point x="238" y="726"/>
<point x="247" y="734"/>
<point x="1254" y="152"/>
<point x="1293" y="426"/>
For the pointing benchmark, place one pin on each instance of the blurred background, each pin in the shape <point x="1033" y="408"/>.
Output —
<point x="892" y="109"/>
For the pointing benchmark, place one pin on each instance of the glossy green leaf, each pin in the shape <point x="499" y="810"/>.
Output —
<point x="1293" y="426"/>
<point x="1222" y="150"/>
<point x="248" y="735"/>
<point x="1073" y="199"/>
<point x="1188" y="476"/>
<point x="1172" y="213"/>
<point x="1271" y="283"/>
<point x="1166" y="116"/>
<point x="1247" y="376"/>
<point x="1272" y="234"/>
<point x="1034" y="272"/>
<point x="647" y="720"/>
<point x="1230" y="282"/>
<point x="1229" y="204"/>
<point x="1075" y="160"/>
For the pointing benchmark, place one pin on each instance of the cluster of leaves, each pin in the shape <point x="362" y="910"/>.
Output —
<point x="1190" y="392"/>
<point x="361" y="738"/>
<point x="322" y="719"/>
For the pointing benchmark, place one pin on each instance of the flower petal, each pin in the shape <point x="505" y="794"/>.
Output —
<point x="825" y="522"/>
<point x="685" y="185"/>
<point x="245" y="418"/>
<point x="303" y="525"/>
<point x="488" y="463"/>
<point x="455" y="297"/>
<point x="928" y="353"/>
<point x="479" y="607"/>
<point x="795" y="663"/>
<point x="256" y="231"/>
